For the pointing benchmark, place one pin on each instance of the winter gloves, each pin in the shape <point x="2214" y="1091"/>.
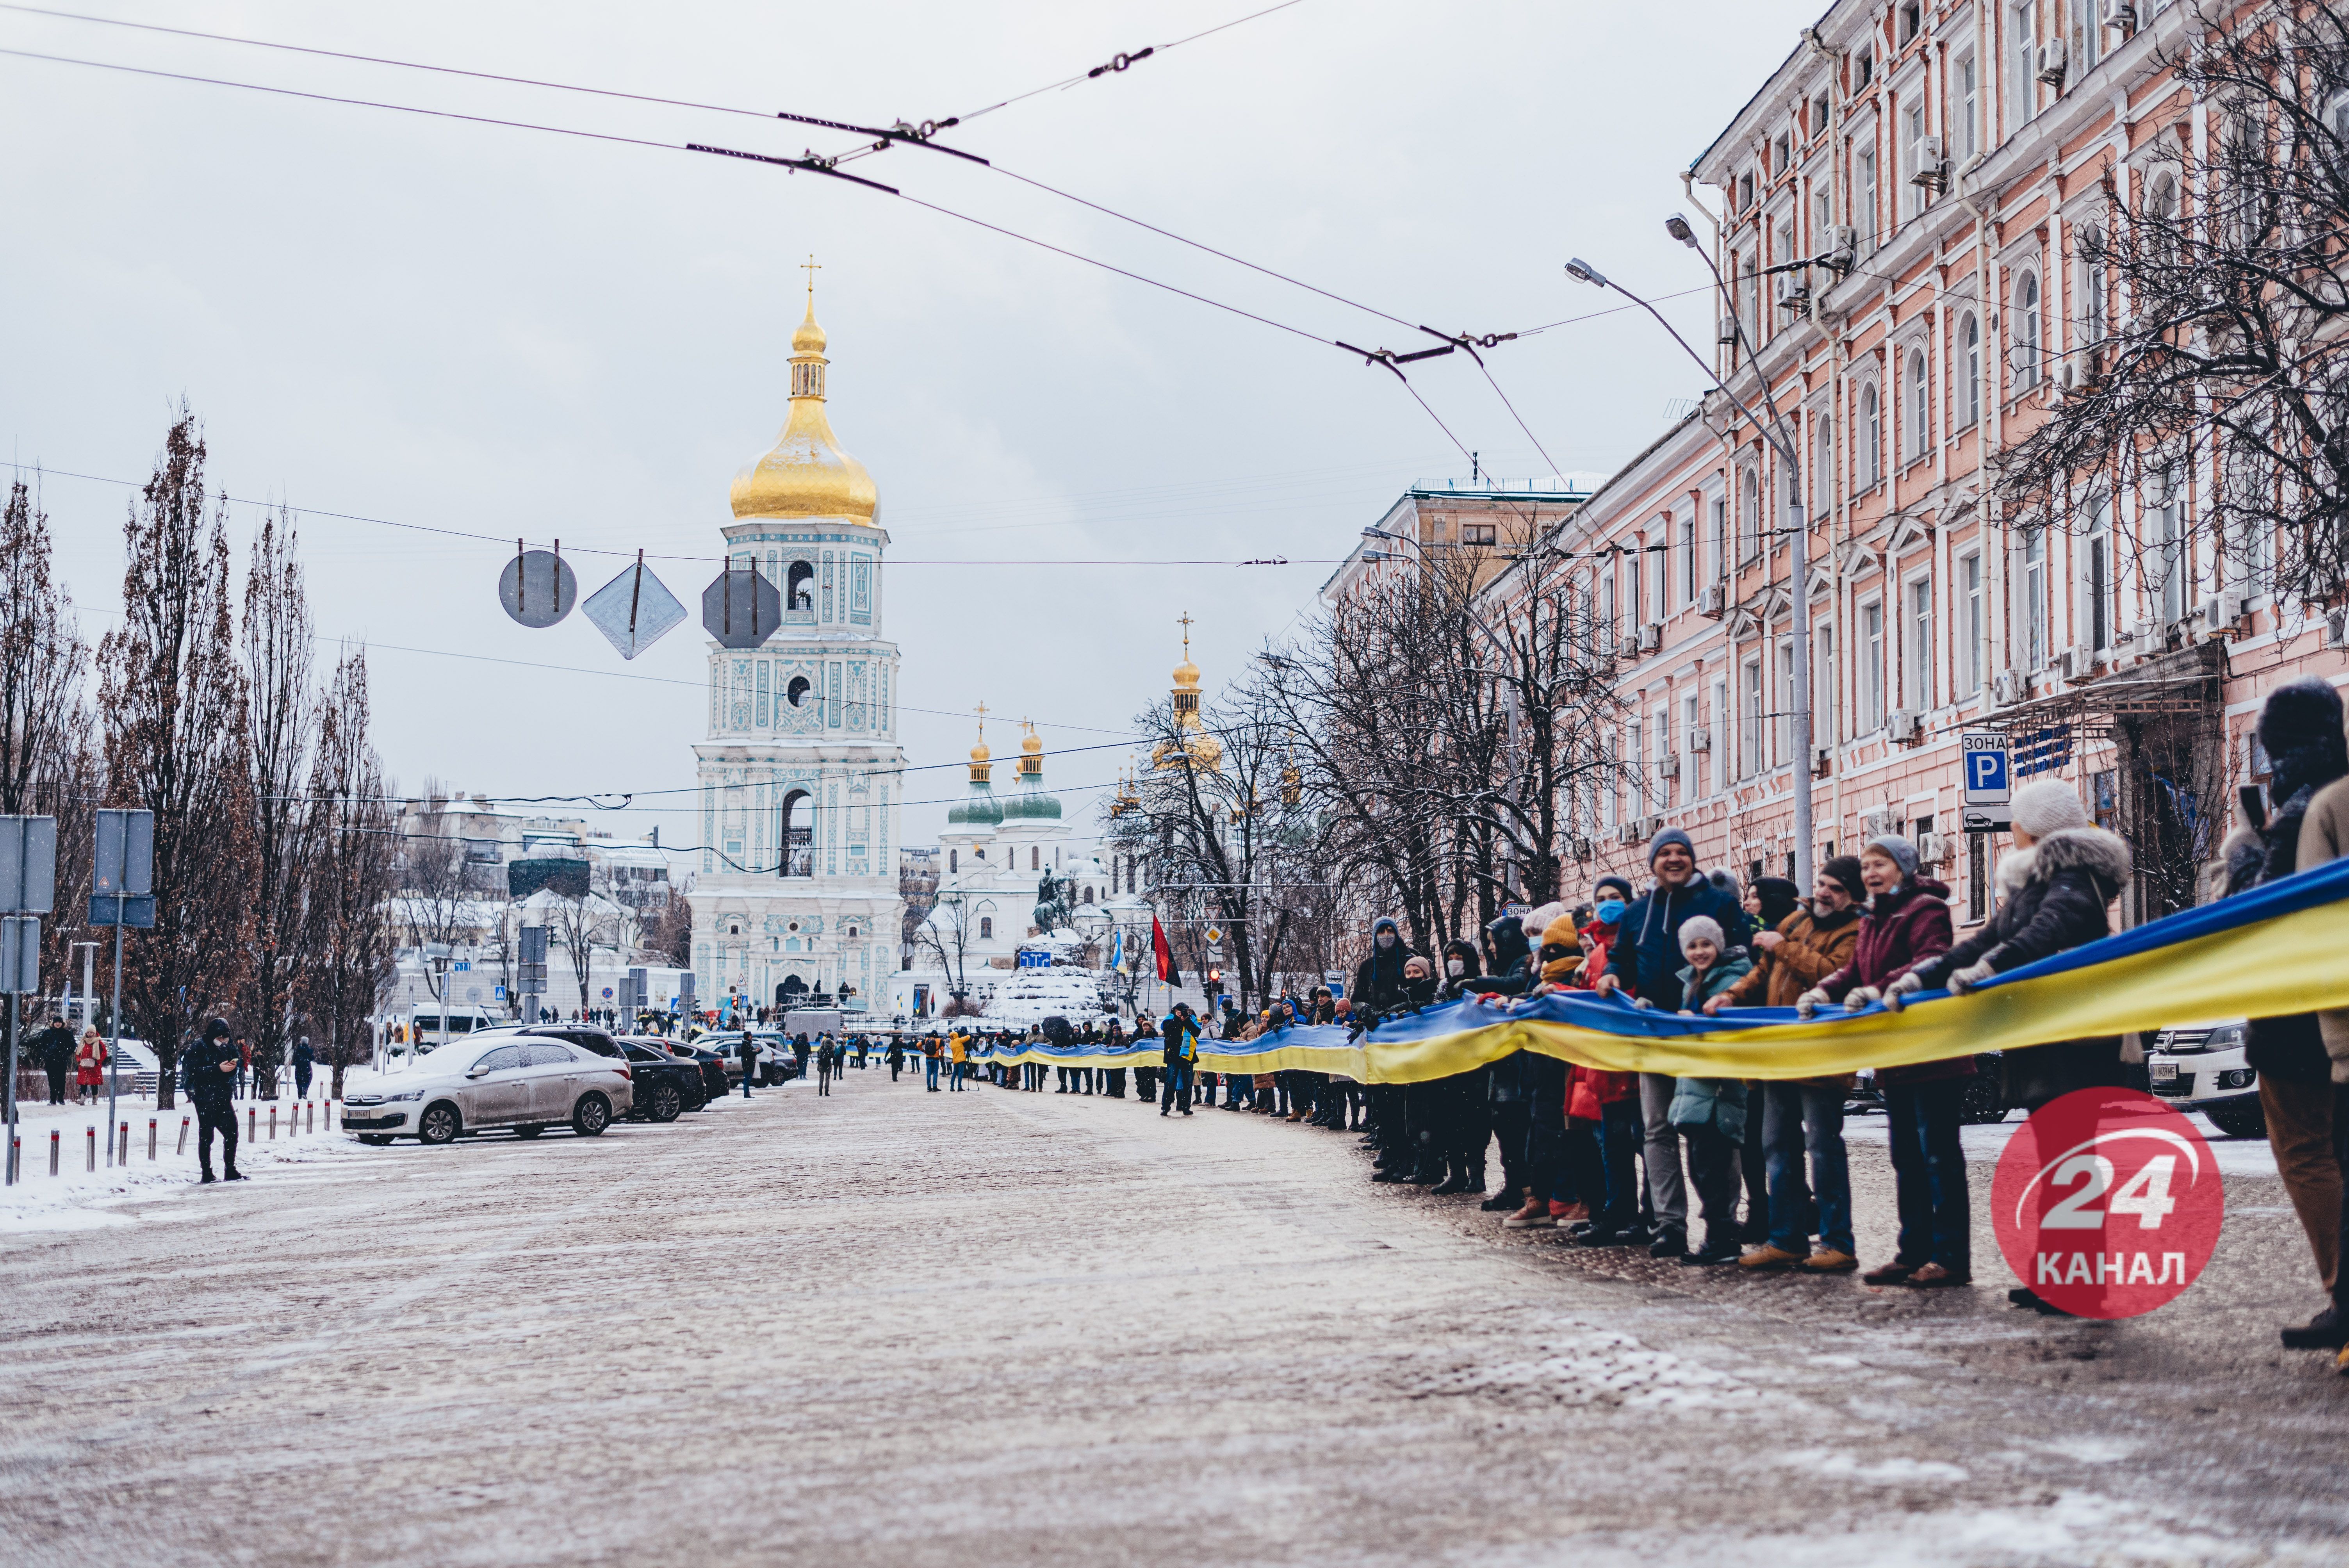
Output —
<point x="1971" y="975"/>
<point x="1859" y="997"/>
<point x="1896" y="995"/>
<point x="1810" y="1002"/>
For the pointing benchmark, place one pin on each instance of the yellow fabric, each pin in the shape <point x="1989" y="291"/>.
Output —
<point x="2293" y="964"/>
<point x="1336" y="1060"/>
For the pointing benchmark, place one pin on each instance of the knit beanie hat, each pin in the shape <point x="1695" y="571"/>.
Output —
<point x="1702" y="928"/>
<point x="1844" y="871"/>
<point x="1779" y="898"/>
<point x="1621" y="884"/>
<point x="1665" y="840"/>
<point x="2300" y="729"/>
<point x="2048" y="806"/>
<point x="1539" y="920"/>
<point x="1560" y="932"/>
<point x="1897" y="850"/>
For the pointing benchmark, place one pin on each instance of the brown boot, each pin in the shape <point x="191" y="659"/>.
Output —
<point x="1766" y="1256"/>
<point x="1894" y="1273"/>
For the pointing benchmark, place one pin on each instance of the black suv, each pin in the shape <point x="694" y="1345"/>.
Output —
<point x="666" y="1086"/>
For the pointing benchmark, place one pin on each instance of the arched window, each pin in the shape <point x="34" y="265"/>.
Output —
<point x="1970" y="366"/>
<point x="1871" y="438"/>
<point x="799" y="594"/>
<point x="1921" y="405"/>
<point x="1035" y="858"/>
<point x="1749" y="516"/>
<point x="953" y="860"/>
<point x="2026" y="332"/>
<point x="1089" y="895"/>
<point x="986" y="928"/>
<point x="796" y="690"/>
<point x="797" y="834"/>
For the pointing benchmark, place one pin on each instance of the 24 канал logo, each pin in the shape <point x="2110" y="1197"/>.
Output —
<point x="2108" y="1203"/>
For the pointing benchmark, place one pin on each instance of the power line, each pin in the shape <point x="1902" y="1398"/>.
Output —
<point x="1115" y="67"/>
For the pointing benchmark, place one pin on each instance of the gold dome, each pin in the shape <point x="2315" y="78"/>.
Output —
<point x="1034" y="745"/>
<point x="979" y="753"/>
<point x="805" y="473"/>
<point x="1196" y="746"/>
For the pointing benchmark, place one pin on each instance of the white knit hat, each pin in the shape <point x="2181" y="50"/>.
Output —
<point x="2047" y="807"/>
<point x="1538" y="921"/>
<point x="1703" y="928"/>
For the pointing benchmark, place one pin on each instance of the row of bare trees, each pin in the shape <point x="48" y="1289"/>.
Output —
<point x="274" y="851"/>
<point x="1426" y="748"/>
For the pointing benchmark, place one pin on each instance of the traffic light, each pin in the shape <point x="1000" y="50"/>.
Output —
<point x="1214" y="982"/>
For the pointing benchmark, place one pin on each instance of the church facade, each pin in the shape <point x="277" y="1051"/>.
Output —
<point x="801" y="776"/>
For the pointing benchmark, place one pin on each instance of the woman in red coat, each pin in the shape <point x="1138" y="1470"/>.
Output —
<point x="1907" y="921"/>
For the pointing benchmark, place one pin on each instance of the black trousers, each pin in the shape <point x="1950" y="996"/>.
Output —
<point x="57" y="1085"/>
<point x="1513" y="1125"/>
<point x="1113" y="1082"/>
<point x="215" y="1116"/>
<point x="1145" y="1083"/>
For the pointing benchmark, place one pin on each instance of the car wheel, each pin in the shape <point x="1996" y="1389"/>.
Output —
<point x="667" y="1104"/>
<point x="438" y="1124"/>
<point x="1982" y="1102"/>
<point x="375" y="1139"/>
<point x="528" y="1131"/>
<point x="2244" y="1119"/>
<point x="591" y="1116"/>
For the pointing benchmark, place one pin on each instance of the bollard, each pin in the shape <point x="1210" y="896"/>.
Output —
<point x="330" y="1116"/>
<point x="56" y="1143"/>
<point x="252" y="1124"/>
<point x="312" y="1106"/>
<point x="91" y="1139"/>
<point x="183" y="1135"/>
<point x="272" y="1123"/>
<point x="122" y="1156"/>
<point x="150" y="1137"/>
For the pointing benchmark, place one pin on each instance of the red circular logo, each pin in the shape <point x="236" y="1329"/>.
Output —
<point x="2108" y="1203"/>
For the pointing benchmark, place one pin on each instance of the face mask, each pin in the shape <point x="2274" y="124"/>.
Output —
<point x="1610" y="910"/>
<point x="1456" y="967"/>
<point x="1386" y="939"/>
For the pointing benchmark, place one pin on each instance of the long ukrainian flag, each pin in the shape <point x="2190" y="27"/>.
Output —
<point x="2283" y="948"/>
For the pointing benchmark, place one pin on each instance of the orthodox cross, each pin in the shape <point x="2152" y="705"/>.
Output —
<point x="810" y="268"/>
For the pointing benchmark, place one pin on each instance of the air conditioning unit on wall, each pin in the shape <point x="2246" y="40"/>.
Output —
<point x="1629" y="833"/>
<point x="2336" y="627"/>
<point x="1713" y="600"/>
<point x="2119" y="14"/>
<point x="2078" y="664"/>
<point x="1904" y="726"/>
<point x="1821" y="759"/>
<point x="2052" y="62"/>
<point x="1667" y="767"/>
<point x="1934" y="849"/>
<point x="1582" y="848"/>
<point x="1651" y="637"/>
<point x="2007" y="690"/>
<point x="1699" y="739"/>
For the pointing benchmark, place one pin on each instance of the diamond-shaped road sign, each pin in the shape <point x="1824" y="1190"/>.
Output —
<point x="740" y="608"/>
<point x="634" y="610"/>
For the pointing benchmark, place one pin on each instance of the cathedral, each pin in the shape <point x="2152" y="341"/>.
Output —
<point x="802" y="777"/>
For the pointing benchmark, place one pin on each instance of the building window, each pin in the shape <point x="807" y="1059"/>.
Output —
<point x="2098" y="588"/>
<point x="1969" y="133"/>
<point x="2021" y="89"/>
<point x="1478" y="533"/>
<point x="1720" y="737"/>
<point x="2034" y="600"/>
<point x="2092" y="284"/>
<point x="1823" y="474"/>
<point x="953" y="860"/>
<point x="1035" y="858"/>
<point x="986" y="928"/>
<point x="1912" y="20"/>
<point x="1970" y="578"/>
<point x="1921" y="405"/>
<point x="1750" y="710"/>
<point x="1636" y="749"/>
<point x="1717" y="540"/>
<point x="1871" y="666"/>
<point x="1688" y="559"/>
<point x="1692" y="779"/>
<point x="1826" y="696"/>
<point x="1916" y="157"/>
<point x="2169" y="551"/>
<point x="1871" y="438"/>
<point x="1863" y="207"/>
<point x="1635" y="582"/>
<point x="797" y="595"/>
<point x="1917" y="683"/>
<point x="1749" y="516"/>
<point x="2026" y="332"/>
<point x="1782" y="729"/>
<point x="1970" y="366"/>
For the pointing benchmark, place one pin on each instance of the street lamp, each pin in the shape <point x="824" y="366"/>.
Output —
<point x="1772" y="430"/>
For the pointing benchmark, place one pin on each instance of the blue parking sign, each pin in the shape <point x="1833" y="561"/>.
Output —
<point x="1988" y="772"/>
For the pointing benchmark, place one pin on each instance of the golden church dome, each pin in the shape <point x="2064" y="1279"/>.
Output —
<point x="805" y="473"/>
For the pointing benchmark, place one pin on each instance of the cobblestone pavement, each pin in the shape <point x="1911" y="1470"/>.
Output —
<point x="894" y="1327"/>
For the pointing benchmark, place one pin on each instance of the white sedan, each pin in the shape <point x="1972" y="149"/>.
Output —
<point x="525" y="1080"/>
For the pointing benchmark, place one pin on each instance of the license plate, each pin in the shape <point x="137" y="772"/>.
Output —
<point x="2164" y="1072"/>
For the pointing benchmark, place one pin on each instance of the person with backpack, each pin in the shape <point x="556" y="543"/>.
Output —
<point x="208" y="1072"/>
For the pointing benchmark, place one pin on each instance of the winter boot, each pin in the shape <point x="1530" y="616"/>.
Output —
<point x="1455" y="1178"/>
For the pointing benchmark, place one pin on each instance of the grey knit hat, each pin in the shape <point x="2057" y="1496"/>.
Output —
<point x="2048" y="806"/>
<point x="1665" y="840"/>
<point x="1703" y="928"/>
<point x="1897" y="849"/>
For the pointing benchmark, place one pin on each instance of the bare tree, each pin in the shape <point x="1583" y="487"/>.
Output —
<point x="47" y="764"/>
<point x="172" y="709"/>
<point x="946" y="931"/>
<point x="2214" y="308"/>
<point x="347" y="930"/>
<point x="668" y="930"/>
<point x="437" y="902"/>
<point x="282" y="823"/>
<point x="579" y="924"/>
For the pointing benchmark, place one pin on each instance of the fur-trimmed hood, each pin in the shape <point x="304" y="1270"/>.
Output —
<point x="2105" y="856"/>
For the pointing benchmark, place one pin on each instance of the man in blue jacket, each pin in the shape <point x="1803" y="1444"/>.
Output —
<point x="1645" y="962"/>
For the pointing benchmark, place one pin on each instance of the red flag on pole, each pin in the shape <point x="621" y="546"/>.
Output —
<point x="1161" y="954"/>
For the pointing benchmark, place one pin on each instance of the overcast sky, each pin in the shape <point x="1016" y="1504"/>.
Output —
<point x="508" y="331"/>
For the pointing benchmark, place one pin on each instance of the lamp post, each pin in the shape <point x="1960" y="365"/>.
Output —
<point x="1773" y="431"/>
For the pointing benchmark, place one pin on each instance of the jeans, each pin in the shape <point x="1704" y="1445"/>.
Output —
<point x="1665" y="1193"/>
<point x="216" y="1116"/>
<point x="1800" y="1118"/>
<point x="954" y="1084"/>
<point x="1929" y="1175"/>
<point x="930" y="1072"/>
<point x="747" y="1071"/>
<point x="1176" y="1094"/>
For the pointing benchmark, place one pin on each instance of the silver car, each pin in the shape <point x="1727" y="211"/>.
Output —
<point x="526" y="1082"/>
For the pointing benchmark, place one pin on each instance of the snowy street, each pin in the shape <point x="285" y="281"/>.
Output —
<point x="895" y="1327"/>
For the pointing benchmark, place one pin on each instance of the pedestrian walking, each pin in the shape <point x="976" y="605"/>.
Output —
<point x="209" y="1075"/>
<point x="243" y="1066"/>
<point x="1644" y="962"/>
<point x="2301" y="1063"/>
<point x="305" y="1062"/>
<point x="896" y="1057"/>
<point x="748" y="1051"/>
<point x="1906" y="923"/>
<point x="1803" y="1117"/>
<point x="931" y="1051"/>
<point x="53" y="1047"/>
<point x="89" y="1065"/>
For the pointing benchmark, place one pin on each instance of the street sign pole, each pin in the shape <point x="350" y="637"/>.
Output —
<point x="28" y="887"/>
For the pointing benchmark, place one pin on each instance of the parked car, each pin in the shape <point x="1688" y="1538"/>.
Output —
<point x="2202" y="1066"/>
<point x="1983" y="1101"/>
<point x="666" y="1086"/>
<point x="713" y="1065"/>
<point x="528" y="1079"/>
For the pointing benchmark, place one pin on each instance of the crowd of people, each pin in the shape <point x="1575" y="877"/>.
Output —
<point x="1612" y="1158"/>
